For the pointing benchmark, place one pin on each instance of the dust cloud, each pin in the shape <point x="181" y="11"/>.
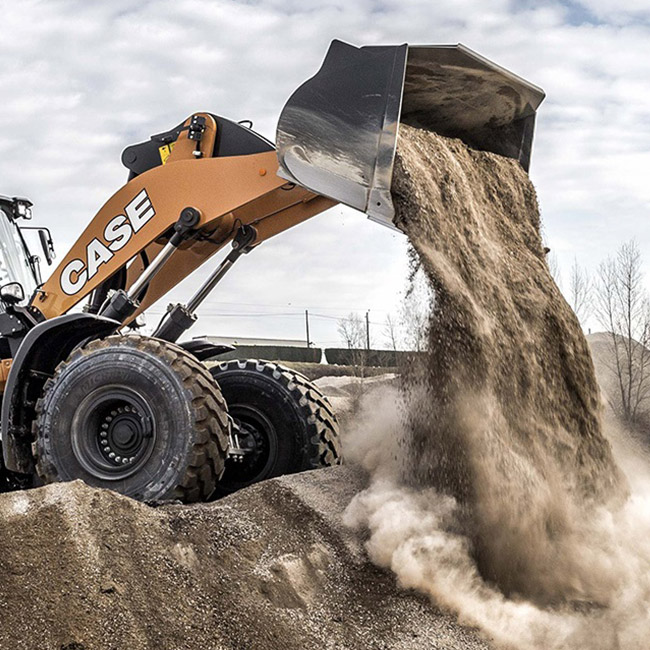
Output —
<point x="495" y="490"/>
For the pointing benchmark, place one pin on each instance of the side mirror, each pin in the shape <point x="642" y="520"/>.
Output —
<point x="12" y="293"/>
<point x="47" y="244"/>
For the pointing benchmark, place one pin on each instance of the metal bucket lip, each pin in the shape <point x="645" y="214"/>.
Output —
<point x="331" y="127"/>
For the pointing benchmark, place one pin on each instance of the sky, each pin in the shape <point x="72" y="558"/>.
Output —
<point x="81" y="80"/>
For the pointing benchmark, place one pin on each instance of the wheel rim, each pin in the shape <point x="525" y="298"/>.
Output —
<point x="260" y="438"/>
<point x="113" y="432"/>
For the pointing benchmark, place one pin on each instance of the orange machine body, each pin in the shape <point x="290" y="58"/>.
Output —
<point x="135" y="223"/>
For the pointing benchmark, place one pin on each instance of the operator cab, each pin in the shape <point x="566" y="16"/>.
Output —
<point x="17" y="264"/>
<point x="20" y="273"/>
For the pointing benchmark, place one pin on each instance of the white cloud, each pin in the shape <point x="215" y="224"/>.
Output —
<point x="617" y="11"/>
<point x="81" y="80"/>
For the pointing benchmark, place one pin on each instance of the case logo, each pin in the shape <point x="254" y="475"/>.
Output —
<point x="117" y="234"/>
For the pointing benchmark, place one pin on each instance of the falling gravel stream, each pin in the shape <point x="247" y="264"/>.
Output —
<point x="506" y="504"/>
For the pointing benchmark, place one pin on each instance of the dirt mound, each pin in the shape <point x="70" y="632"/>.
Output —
<point x="270" y="567"/>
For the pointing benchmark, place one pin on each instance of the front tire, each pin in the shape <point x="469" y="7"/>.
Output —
<point x="135" y="415"/>
<point x="287" y="423"/>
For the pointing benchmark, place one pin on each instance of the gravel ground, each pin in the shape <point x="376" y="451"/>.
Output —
<point x="269" y="567"/>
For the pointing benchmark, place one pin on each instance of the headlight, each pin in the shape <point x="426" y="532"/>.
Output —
<point x="12" y="293"/>
<point x="23" y="210"/>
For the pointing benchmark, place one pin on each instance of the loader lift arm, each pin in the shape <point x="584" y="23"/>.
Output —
<point x="227" y="192"/>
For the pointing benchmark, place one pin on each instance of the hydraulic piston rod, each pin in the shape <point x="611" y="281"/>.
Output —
<point x="241" y="244"/>
<point x="179" y="317"/>
<point x="121" y="304"/>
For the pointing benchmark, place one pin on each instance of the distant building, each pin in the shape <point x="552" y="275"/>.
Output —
<point x="249" y="341"/>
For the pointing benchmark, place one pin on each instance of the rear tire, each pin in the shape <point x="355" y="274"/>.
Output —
<point x="290" y="422"/>
<point x="136" y="415"/>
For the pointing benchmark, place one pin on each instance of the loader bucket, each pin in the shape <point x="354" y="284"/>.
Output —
<point x="337" y="133"/>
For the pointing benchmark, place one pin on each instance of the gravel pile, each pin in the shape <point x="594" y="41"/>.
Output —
<point x="270" y="567"/>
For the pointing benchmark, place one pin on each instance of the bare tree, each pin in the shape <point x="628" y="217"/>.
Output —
<point x="352" y="331"/>
<point x="580" y="292"/>
<point x="390" y="332"/>
<point x="623" y="308"/>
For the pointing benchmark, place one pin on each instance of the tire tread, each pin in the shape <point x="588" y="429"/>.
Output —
<point x="209" y="413"/>
<point x="315" y="407"/>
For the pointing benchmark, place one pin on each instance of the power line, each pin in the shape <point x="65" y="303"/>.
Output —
<point x="219" y="314"/>
<point x="296" y="306"/>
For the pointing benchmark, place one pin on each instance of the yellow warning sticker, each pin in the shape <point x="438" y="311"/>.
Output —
<point x="165" y="151"/>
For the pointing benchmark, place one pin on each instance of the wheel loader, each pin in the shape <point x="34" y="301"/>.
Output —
<point x="86" y="397"/>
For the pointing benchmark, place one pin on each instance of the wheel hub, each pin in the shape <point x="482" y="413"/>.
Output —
<point x="251" y="442"/>
<point x="122" y="434"/>
<point x="257" y="437"/>
<point x="113" y="432"/>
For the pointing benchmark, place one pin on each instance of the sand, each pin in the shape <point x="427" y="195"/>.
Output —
<point x="271" y="567"/>
<point x="502" y="493"/>
<point x="507" y="414"/>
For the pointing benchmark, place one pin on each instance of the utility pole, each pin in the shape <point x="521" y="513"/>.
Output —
<point x="307" y="325"/>
<point x="368" y="329"/>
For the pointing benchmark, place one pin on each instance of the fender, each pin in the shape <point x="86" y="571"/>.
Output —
<point x="42" y="349"/>
<point x="202" y="349"/>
